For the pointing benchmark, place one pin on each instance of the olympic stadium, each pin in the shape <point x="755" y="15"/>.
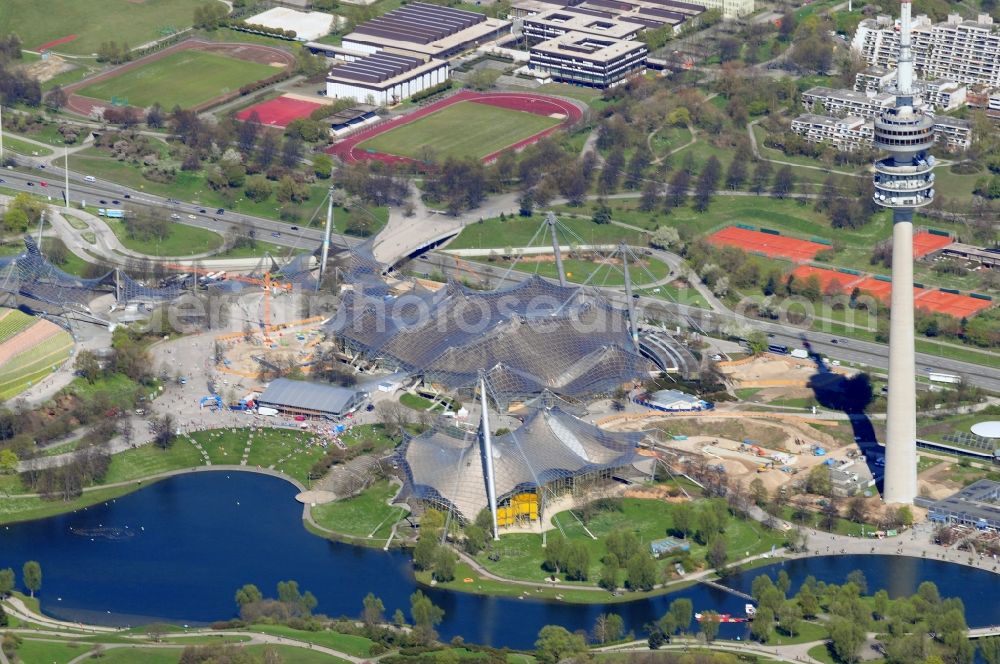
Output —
<point x="551" y="453"/>
<point x="535" y="336"/>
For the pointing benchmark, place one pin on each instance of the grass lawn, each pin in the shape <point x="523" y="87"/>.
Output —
<point x="222" y="445"/>
<point x="358" y="646"/>
<point x="270" y="445"/>
<point x="182" y="241"/>
<point x="50" y="653"/>
<point x="518" y="231"/>
<point x="19" y="146"/>
<point x="73" y="263"/>
<point x="521" y="555"/>
<point x="41" y="21"/>
<point x="465" y="129"/>
<point x="365" y="514"/>
<point x="295" y="655"/>
<point x="808" y="631"/>
<point x="415" y="402"/>
<point x="150" y="460"/>
<point x="16" y="508"/>
<point x="144" y="655"/>
<point x="169" y="81"/>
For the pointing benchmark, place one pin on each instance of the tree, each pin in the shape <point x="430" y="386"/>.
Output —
<point x="291" y="190"/>
<point x="709" y="625"/>
<point x="784" y="182"/>
<point x="641" y="571"/>
<point x="426" y="616"/>
<point x="257" y="188"/>
<point x="555" y="553"/>
<point x="267" y="150"/>
<point x="444" y="565"/>
<point x="609" y="573"/>
<point x="608" y="627"/>
<point x="322" y="165"/>
<point x="989" y="648"/>
<point x="8" y="461"/>
<point x="555" y="643"/>
<point x="8" y="583"/>
<point x="32" y="575"/>
<point x="904" y="516"/>
<point x="857" y="577"/>
<point x="664" y="237"/>
<point x="818" y="481"/>
<point x="650" y="197"/>
<point x="56" y="98"/>
<point x="846" y="638"/>
<point x="425" y="552"/>
<point x="857" y="509"/>
<point x="790" y="617"/>
<point x="763" y="623"/>
<point x="482" y="79"/>
<point x="373" y="612"/>
<point x="707" y="183"/>
<point x="784" y="583"/>
<point x="761" y="177"/>
<point x="248" y="594"/>
<point x="577" y="561"/>
<point x="717" y="553"/>
<point x="683" y="519"/>
<point x="291" y="152"/>
<point x="736" y="174"/>
<point x="758" y="492"/>
<point x="681" y="612"/>
<point x="247" y="133"/>
<point x="398" y="618"/>
<point x="808" y="602"/>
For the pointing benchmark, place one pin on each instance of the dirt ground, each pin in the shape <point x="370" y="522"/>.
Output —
<point x="44" y="70"/>
<point x="774" y="371"/>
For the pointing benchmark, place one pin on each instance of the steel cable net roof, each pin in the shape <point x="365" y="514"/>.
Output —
<point x="136" y="291"/>
<point x="446" y="465"/>
<point x="31" y="275"/>
<point x="299" y="271"/>
<point x="530" y="337"/>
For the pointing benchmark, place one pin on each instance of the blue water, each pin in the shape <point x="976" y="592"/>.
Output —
<point x="190" y="541"/>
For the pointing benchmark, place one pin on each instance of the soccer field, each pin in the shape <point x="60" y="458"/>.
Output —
<point x="38" y="22"/>
<point x="465" y="129"/>
<point x="186" y="78"/>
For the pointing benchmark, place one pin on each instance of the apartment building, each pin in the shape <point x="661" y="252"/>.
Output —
<point x="957" y="50"/>
<point x="853" y="132"/>
<point x="847" y="102"/>
<point x="874" y="79"/>
<point x="944" y="95"/>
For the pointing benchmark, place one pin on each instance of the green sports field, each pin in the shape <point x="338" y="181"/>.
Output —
<point x="135" y="22"/>
<point x="465" y="129"/>
<point x="184" y="79"/>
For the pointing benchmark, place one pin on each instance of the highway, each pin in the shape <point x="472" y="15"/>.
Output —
<point x="867" y="353"/>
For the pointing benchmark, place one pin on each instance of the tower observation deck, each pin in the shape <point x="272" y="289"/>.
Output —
<point x="904" y="181"/>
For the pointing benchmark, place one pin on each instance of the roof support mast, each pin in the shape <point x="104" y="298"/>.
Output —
<point x="633" y="324"/>
<point x="326" y="233"/>
<point x="491" y="485"/>
<point x="550" y="219"/>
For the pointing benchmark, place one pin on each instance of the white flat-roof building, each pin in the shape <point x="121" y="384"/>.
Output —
<point x="944" y="95"/>
<point x="584" y="59"/>
<point x="425" y="30"/>
<point x="851" y="133"/>
<point x="955" y="49"/>
<point x="874" y="79"/>
<point x="385" y="78"/>
<point x="847" y="102"/>
<point x="847" y="134"/>
<point x="307" y="25"/>
<point x="675" y="400"/>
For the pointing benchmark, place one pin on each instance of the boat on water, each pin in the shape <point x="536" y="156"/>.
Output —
<point x="750" y="610"/>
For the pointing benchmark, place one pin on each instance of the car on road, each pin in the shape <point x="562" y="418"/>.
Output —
<point x="191" y="216"/>
<point x="2" y="180"/>
<point x="116" y="202"/>
<point x="126" y="195"/>
<point x="201" y="210"/>
<point x="220" y="211"/>
<point x="275" y="234"/>
<point x="43" y="183"/>
<point x="30" y="184"/>
<point x="102" y="202"/>
<point x="833" y="341"/>
<point x="175" y="216"/>
<point x="370" y="407"/>
<point x="295" y="228"/>
<point x="89" y="178"/>
<point x="42" y="166"/>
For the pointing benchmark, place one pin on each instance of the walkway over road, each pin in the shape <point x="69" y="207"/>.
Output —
<point x="727" y="589"/>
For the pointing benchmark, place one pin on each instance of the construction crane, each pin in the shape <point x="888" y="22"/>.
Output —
<point x="267" y="282"/>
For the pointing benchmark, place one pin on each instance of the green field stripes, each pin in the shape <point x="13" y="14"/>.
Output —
<point x="465" y="129"/>
<point x="13" y="323"/>
<point x="186" y="78"/>
<point x="33" y="364"/>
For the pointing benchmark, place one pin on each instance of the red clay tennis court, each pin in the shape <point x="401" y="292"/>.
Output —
<point x="878" y="289"/>
<point x="925" y="243"/>
<point x="765" y="243"/>
<point x="844" y="282"/>
<point x="281" y="111"/>
<point x="959" y="306"/>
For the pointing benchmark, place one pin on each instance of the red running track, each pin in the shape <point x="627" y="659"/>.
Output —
<point x="518" y="101"/>
<point x="56" y="42"/>
<point x="281" y="111"/>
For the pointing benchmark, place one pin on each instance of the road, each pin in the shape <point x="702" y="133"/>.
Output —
<point x="856" y="351"/>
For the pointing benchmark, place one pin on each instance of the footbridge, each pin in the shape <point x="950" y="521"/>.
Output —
<point x="725" y="589"/>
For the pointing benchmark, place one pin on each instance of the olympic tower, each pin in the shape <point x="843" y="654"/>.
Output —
<point x="904" y="181"/>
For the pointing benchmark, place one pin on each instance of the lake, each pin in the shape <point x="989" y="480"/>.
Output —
<point x="177" y="550"/>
